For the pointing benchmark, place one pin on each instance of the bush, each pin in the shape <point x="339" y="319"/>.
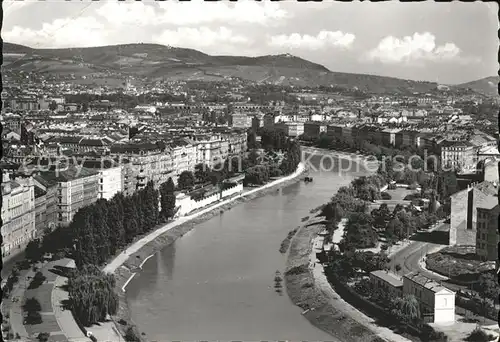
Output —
<point x="33" y="318"/>
<point x="32" y="305"/>
<point x="38" y="280"/>
<point x="385" y="196"/>
<point x="427" y="333"/>
<point x="479" y="335"/>
<point x="43" y="337"/>
<point x="130" y="336"/>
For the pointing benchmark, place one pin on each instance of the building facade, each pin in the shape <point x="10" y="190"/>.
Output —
<point x="110" y="182"/>
<point x="437" y="303"/>
<point x="18" y="214"/>
<point x="388" y="282"/>
<point x="464" y="204"/>
<point x="76" y="188"/>
<point x="487" y="236"/>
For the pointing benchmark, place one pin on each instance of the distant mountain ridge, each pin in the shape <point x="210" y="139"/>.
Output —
<point x="159" y="61"/>
<point x="487" y="85"/>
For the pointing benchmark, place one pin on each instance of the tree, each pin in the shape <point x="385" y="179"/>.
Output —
<point x="186" y="180"/>
<point x="395" y="228"/>
<point x="201" y="173"/>
<point x="92" y="296"/>
<point x="43" y="337"/>
<point x="33" y="251"/>
<point x="487" y="286"/>
<point x="406" y="308"/>
<point x="167" y="197"/>
<point x="32" y="305"/>
<point x="53" y="105"/>
<point x="32" y="308"/>
<point x="251" y="139"/>
<point x="253" y="158"/>
<point x="130" y="336"/>
<point x="397" y="268"/>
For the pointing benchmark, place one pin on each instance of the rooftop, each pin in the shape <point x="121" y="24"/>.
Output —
<point x="71" y="173"/>
<point x="426" y="282"/>
<point x="388" y="277"/>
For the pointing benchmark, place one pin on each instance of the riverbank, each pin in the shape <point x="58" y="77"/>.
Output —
<point x="130" y="261"/>
<point x="305" y="293"/>
<point x="340" y="154"/>
<point x="309" y="289"/>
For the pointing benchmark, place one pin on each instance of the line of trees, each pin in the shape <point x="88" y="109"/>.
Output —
<point x="101" y="229"/>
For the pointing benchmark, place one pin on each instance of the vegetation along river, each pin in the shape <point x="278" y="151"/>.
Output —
<point x="217" y="281"/>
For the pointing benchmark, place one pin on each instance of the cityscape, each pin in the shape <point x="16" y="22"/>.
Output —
<point x="194" y="171"/>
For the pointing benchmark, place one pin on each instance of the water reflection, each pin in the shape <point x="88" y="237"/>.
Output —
<point x="224" y="273"/>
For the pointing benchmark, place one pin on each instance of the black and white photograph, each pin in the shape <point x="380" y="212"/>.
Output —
<point x="249" y="171"/>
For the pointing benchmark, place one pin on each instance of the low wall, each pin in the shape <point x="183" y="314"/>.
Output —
<point x="197" y="204"/>
<point x="231" y="191"/>
<point x="188" y="204"/>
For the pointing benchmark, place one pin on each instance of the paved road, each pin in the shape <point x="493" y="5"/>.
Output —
<point x="408" y="258"/>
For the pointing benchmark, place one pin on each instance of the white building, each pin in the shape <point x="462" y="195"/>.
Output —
<point x="437" y="303"/>
<point x="110" y="182"/>
<point x="184" y="156"/>
<point x="18" y="214"/>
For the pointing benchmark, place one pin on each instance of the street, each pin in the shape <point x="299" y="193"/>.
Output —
<point x="408" y="258"/>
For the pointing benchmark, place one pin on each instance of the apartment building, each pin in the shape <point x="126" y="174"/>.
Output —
<point x="459" y="155"/>
<point x="18" y="214"/>
<point x="312" y="130"/>
<point x="237" y="142"/>
<point x="334" y="131"/>
<point x="487" y="236"/>
<point x="184" y="156"/>
<point x="389" y="136"/>
<point x="388" y="282"/>
<point x="45" y="205"/>
<point x="406" y="138"/>
<point x="76" y="188"/>
<point x="269" y="120"/>
<point x="490" y="170"/>
<point x="210" y="149"/>
<point x="437" y="303"/>
<point x="464" y="204"/>
<point x="240" y="120"/>
<point x="110" y="182"/>
<point x="291" y="129"/>
<point x="142" y="163"/>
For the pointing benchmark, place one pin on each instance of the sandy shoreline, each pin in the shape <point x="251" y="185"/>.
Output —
<point x="128" y="263"/>
<point x="305" y="292"/>
<point x="308" y="288"/>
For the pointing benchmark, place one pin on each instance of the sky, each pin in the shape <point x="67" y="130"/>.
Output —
<point x="447" y="43"/>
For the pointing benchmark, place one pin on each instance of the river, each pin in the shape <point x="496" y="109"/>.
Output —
<point x="217" y="281"/>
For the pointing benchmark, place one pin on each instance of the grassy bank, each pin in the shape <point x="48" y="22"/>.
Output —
<point x="320" y="309"/>
<point x="131" y="265"/>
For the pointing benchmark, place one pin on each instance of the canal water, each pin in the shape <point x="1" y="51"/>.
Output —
<point x="217" y="281"/>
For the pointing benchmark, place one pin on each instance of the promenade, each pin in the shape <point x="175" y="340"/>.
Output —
<point x="57" y="320"/>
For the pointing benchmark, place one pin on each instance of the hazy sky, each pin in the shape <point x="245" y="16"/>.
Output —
<point x="443" y="42"/>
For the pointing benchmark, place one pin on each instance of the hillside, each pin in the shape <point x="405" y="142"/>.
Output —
<point x="158" y="61"/>
<point x="487" y="85"/>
